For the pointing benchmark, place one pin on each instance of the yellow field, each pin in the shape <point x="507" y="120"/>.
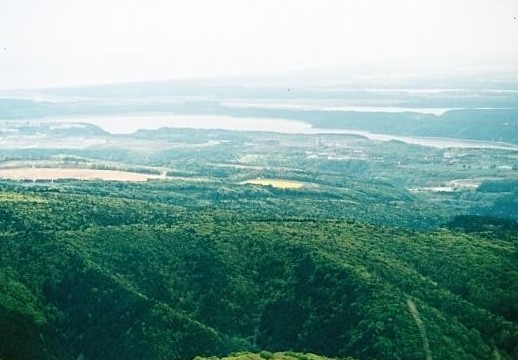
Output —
<point x="80" y="174"/>
<point x="278" y="183"/>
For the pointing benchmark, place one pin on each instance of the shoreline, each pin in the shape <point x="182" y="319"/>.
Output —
<point x="126" y="125"/>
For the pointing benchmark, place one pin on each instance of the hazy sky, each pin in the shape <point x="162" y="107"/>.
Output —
<point x="67" y="42"/>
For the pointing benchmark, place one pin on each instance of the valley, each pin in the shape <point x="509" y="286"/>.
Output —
<point x="185" y="228"/>
<point x="258" y="180"/>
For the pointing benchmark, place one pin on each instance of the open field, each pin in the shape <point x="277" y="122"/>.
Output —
<point x="278" y="183"/>
<point x="70" y="173"/>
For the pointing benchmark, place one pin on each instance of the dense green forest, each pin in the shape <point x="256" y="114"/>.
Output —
<point x="107" y="270"/>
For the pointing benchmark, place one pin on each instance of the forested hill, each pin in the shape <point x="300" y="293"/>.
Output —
<point x="87" y="276"/>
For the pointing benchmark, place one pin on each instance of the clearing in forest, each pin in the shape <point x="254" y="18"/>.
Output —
<point x="278" y="183"/>
<point x="71" y="173"/>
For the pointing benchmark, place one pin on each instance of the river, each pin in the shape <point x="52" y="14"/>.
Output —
<point x="130" y="124"/>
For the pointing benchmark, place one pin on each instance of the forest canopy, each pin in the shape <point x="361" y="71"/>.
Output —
<point x="100" y="276"/>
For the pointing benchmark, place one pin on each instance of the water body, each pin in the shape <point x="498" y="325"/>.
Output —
<point x="422" y="90"/>
<point x="335" y="107"/>
<point x="130" y="124"/>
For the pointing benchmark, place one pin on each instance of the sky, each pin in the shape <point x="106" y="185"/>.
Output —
<point x="79" y="42"/>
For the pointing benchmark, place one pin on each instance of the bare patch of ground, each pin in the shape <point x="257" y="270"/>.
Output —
<point x="71" y="173"/>
<point x="278" y="183"/>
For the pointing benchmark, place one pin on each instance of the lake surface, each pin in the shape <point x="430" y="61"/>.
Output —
<point x="130" y="124"/>
<point x="322" y="106"/>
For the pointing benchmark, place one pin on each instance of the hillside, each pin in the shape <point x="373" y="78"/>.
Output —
<point x="92" y="275"/>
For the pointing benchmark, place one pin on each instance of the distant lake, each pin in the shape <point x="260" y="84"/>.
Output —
<point x="322" y="106"/>
<point x="131" y="124"/>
